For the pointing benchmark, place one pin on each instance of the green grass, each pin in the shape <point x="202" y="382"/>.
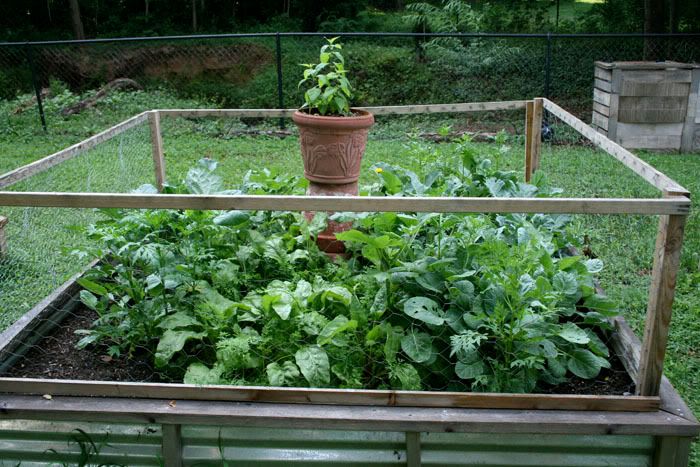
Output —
<point x="39" y="239"/>
<point x="571" y="9"/>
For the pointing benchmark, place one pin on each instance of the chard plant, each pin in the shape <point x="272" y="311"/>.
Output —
<point x="328" y="91"/>
<point x="425" y="301"/>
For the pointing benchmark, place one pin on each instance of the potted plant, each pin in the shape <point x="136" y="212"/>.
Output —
<point x="333" y="135"/>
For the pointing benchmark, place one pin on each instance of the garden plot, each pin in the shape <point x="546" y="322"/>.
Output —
<point x="462" y="285"/>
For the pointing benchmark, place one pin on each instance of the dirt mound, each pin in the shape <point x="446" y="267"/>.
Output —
<point x="79" y="66"/>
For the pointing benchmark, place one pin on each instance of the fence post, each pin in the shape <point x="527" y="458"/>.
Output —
<point x="35" y="83"/>
<point x="548" y="66"/>
<point x="280" y="94"/>
<point x="667" y="256"/>
<point x="3" y="237"/>
<point x="536" y="140"/>
<point x="171" y="449"/>
<point x="529" y="120"/>
<point x="157" y="148"/>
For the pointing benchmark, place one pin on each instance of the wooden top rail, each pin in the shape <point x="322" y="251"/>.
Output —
<point x="381" y="110"/>
<point x="10" y="178"/>
<point x="634" y="163"/>
<point x="672" y="205"/>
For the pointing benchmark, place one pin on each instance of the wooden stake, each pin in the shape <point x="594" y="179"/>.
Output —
<point x="3" y="236"/>
<point x="538" y="110"/>
<point x="529" y="118"/>
<point x="172" y="445"/>
<point x="667" y="255"/>
<point x="157" y="145"/>
<point x="413" y="455"/>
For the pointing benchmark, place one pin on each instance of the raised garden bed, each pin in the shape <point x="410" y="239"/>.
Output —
<point x="655" y="410"/>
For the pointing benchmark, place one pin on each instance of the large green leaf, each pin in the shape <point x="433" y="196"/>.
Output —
<point x="585" y="364"/>
<point x="470" y="370"/>
<point x="424" y="309"/>
<point x="282" y="375"/>
<point x="313" y="363"/>
<point x="201" y="179"/>
<point x="565" y="282"/>
<point x="333" y="331"/>
<point x="574" y="334"/>
<point x="171" y="342"/>
<point x="180" y="319"/>
<point x="198" y="373"/>
<point x="234" y="219"/>
<point x="418" y="346"/>
<point x="405" y="376"/>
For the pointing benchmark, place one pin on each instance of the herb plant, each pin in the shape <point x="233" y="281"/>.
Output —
<point x="424" y="300"/>
<point x="329" y="91"/>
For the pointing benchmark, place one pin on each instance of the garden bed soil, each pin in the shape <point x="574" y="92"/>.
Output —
<point x="56" y="357"/>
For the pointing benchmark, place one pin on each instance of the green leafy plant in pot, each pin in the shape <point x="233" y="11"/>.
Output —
<point x="333" y="136"/>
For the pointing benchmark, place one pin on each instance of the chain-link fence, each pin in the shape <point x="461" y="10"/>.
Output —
<point x="262" y="70"/>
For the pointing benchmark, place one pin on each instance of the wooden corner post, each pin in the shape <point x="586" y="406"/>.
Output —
<point x="3" y="236"/>
<point x="537" y="113"/>
<point x="157" y="148"/>
<point x="667" y="255"/>
<point x="529" y="119"/>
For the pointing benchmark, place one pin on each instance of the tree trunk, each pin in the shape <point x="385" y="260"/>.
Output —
<point x="194" y="15"/>
<point x="76" y="22"/>
<point x="654" y="23"/>
<point x="147" y="7"/>
<point x="673" y="16"/>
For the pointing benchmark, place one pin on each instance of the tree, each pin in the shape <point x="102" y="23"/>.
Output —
<point x="76" y="21"/>
<point x="654" y="23"/>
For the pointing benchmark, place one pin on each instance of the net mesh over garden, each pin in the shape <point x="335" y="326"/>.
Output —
<point x="420" y="301"/>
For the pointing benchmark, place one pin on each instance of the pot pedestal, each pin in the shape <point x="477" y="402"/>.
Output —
<point x="332" y="149"/>
<point x="326" y="240"/>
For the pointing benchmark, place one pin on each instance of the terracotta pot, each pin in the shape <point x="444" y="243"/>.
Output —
<point x="326" y="240"/>
<point x="332" y="147"/>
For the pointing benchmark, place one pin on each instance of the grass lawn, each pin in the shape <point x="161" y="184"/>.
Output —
<point x="571" y="9"/>
<point x="40" y="239"/>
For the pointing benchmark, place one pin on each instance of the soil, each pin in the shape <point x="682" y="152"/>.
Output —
<point x="613" y="381"/>
<point x="56" y="357"/>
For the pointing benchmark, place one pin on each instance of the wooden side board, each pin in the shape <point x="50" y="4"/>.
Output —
<point x="675" y="205"/>
<point x="365" y="397"/>
<point x="343" y="417"/>
<point x="70" y="152"/>
<point x="627" y="347"/>
<point x="656" y="178"/>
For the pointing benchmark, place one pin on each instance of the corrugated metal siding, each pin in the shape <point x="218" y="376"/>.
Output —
<point x="45" y="443"/>
<point x="263" y="447"/>
<point x="535" y="450"/>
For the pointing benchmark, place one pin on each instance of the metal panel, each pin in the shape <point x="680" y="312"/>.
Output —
<point x="493" y="450"/>
<point x="39" y="443"/>
<point x="264" y="447"/>
<point x="42" y="443"/>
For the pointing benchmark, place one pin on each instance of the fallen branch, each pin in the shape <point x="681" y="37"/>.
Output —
<point x="117" y="84"/>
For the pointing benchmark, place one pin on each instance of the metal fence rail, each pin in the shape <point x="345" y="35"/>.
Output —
<point x="261" y="70"/>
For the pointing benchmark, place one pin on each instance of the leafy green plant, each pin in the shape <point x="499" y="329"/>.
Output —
<point x="424" y="301"/>
<point x="329" y="91"/>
